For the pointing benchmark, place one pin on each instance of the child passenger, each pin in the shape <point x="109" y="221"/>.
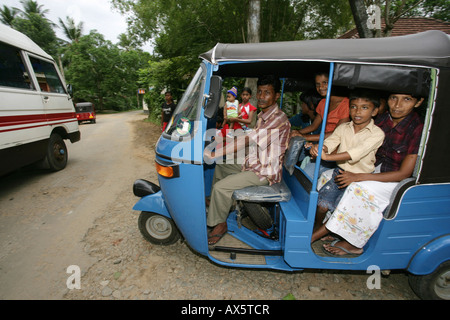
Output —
<point x="356" y="142"/>
<point x="230" y="110"/>
<point x="338" y="112"/>
<point x="247" y="112"/>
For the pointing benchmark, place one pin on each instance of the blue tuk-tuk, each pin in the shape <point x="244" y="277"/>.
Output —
<point x="415" y="233"/>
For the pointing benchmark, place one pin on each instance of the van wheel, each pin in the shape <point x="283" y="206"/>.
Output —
<point x="56" y="153"/>
<point x="434" y="286"/>
<point x="158" y="229"/>
<point x="259" y="214"/>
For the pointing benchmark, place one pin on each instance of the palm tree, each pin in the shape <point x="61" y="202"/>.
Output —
<point x="30" y="7"/>
<point x="7" y="15"/>
<point x="72" y="31"/>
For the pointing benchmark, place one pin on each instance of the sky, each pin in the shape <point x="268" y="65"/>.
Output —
<point x="95" y="14"/>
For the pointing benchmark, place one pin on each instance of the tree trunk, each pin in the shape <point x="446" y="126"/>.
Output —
<point x="253" y="29"/>
<point x="254" y="21"/>
<point x="360" y="17"/>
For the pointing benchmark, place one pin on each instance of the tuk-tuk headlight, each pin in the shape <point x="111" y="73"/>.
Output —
<point x="167" y="170"/>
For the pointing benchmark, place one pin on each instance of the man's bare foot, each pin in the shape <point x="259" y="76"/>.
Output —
<point x="217" y="233"/>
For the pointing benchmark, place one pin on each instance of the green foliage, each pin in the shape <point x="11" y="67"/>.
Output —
<point x="39" y="30"/>
<point x="183" y="29"/>
<point x="289" y="296"/>
<point x="103" y="74"/>
<point x="172" y="74"/>
<point x="437" y="9"/>
<point x="7" y="15"/>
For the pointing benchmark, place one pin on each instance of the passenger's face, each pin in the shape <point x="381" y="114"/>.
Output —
<point x="322" y="85"/>
<point x="266" y="96"/>
<point x="362" y="111"/>
<point x="245" y="96"/>
<point x="401" y="105"/>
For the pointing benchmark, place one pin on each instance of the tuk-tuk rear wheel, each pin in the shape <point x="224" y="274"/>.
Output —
<point x="158" y="229"/>
<point x="434" y="286"/>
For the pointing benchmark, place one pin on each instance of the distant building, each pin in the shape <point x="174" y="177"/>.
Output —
<point x="405" y="26"/>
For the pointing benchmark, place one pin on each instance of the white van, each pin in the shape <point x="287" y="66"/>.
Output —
<point x="36" y="110"/>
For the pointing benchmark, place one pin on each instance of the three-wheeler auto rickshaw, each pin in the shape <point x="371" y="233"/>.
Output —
<point x="415" y="233"/>
<point x="85" y="112"/>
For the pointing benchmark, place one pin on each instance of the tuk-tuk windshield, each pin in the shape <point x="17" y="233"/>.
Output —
<point x="188" y="109"/>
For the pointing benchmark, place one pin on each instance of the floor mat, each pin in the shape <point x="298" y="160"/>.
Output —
<point x="240" y="258"/>
<point x="317" y="247"/>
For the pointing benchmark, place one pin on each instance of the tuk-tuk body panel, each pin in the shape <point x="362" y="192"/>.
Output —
<point x="154" y="202"/>
<point x="186" y="204"/>
<point x="185" y="150"/>
<point x="430" y="256"/>
<point x="184" y="194"/>
<point x="423" y="215"/>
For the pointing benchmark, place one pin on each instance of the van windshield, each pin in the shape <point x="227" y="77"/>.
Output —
<point x="188" y="109"/>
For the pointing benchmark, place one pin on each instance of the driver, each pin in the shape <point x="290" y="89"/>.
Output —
<point x="262" y="164"/>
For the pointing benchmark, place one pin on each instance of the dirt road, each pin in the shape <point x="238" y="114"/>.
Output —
<point x="83" y="216"/>
<point x="45" y="216"/>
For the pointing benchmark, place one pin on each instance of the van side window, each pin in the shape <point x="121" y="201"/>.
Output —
<point x="12" y="69"/>
<point x="47" y="76"/>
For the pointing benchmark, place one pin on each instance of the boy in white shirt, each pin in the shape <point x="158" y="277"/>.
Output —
<point x="356" y="142"/>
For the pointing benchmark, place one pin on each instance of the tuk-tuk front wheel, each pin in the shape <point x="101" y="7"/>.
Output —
<point x="158" y="229"/>
<point x="434" y="286"/>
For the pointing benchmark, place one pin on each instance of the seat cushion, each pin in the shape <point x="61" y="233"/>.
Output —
<point x="278" y="192"/>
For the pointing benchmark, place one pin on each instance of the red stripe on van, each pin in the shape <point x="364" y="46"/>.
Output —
<point x="36" y="126"/>
<point x="35" y="118"/>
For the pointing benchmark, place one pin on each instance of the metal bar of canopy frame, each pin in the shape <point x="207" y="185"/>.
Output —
<point x="282" y="92"/>
<point x="322" y="130"/>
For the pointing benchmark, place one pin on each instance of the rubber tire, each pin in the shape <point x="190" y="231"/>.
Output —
<point x="259" y="214"/>
<point x="158" y="229"/>
<point x="424" y="286"/>
<point x="56" y="153"/>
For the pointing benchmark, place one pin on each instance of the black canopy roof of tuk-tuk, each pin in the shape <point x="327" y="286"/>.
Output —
<point x="430" y="48"/>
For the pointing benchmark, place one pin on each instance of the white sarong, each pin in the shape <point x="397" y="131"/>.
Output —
<point x="360" y="211"/>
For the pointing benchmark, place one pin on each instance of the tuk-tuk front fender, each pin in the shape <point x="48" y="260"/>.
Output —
<point x="430" y="256"/>
<point x="153" y="203"/>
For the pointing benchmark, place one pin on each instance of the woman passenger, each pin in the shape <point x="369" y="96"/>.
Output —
<point x="361" y="207"/>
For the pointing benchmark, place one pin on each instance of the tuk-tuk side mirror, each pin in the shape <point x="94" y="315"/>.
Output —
<point x="214" y="97"/>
